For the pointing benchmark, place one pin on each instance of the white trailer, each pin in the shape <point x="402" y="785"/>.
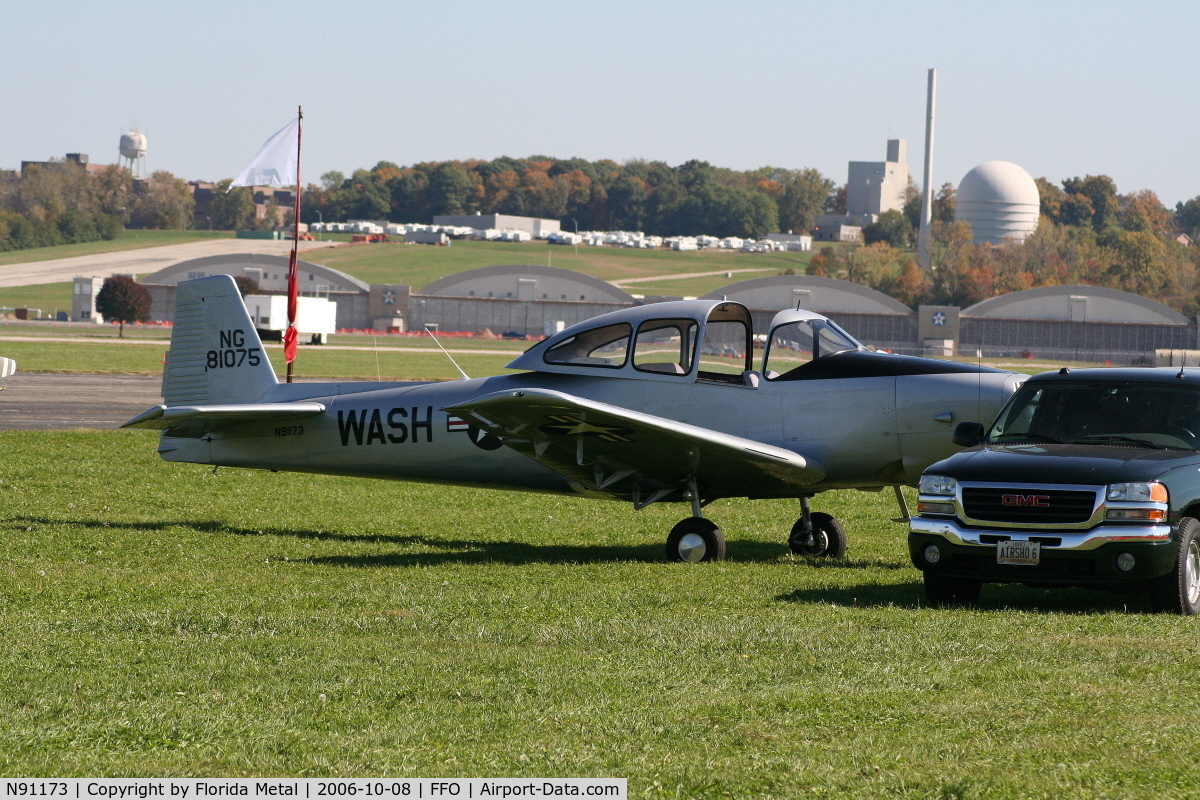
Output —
<point x="316" y="317"/>
<point x="9" y="367"/>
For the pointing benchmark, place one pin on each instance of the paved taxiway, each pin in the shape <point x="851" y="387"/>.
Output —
<point x="55" y="400"/>
<point x="140" y="262"/>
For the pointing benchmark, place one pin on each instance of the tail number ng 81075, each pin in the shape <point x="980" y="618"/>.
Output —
<point x="233" y="352"/>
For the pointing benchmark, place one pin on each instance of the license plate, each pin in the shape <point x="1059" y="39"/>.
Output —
<point x="1023" y="553"/>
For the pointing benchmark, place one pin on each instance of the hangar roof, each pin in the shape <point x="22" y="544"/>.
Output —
<point x="824" y="295"/>
<point x="237" y="263"/>
<point x="461" y="283"/>
<point x="1092" y="304"/>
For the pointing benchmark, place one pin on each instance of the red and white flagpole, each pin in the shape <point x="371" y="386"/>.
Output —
<point x="293" y="279"/>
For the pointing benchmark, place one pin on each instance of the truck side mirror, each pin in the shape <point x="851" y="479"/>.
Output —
<point x="968" y="434"/>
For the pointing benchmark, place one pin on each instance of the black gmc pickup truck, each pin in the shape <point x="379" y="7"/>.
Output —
<point x="1087" y="477"/>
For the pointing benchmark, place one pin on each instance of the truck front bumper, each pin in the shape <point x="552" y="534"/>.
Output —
<point x="1082" y="558"/>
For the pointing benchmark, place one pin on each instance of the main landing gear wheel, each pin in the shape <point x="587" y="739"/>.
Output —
<point x="696" y="539"/>
<point x="827" y="538"/>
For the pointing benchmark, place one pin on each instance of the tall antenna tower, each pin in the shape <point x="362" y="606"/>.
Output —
<point x="133" y="153"/>
<point x="927" y="196"/>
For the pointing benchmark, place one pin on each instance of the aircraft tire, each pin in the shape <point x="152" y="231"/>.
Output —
<point x="944" y="592"/>
<point x="696" y="539"/>
<point x="829" y="537"/>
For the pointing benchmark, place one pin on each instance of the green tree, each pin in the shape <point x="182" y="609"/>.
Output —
<point x="627" y="204"/>
<point x="232" y="209"/>
<point x="1101" y="191"/>
<point x="802" y="200"/>
<point x="449" y="190"/>
<point x="1051" y="198"/>
<point x="892" y="227"/>
<point x="1187" y="217"/>
<point x="122" y="300"/>
<point x="944" y="204"/>
<point x="1076" y="209"/>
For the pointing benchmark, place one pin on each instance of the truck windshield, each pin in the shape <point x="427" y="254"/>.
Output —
<point x="1129" y="413"/>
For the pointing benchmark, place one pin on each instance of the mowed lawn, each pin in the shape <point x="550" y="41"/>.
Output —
<point x="163" y="620"/>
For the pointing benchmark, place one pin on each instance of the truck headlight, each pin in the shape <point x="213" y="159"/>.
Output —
<point x="937" y="484"/>
<point x="1138" y="492"/>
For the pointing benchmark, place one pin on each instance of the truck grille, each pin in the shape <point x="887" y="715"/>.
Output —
<point x="1027" y="505"/>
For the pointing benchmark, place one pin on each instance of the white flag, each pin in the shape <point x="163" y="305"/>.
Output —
<point x="275" y="163"/>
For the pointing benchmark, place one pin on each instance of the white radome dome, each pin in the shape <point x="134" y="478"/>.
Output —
<point x="133" y="144"/>
<point x="1000" y="200"/>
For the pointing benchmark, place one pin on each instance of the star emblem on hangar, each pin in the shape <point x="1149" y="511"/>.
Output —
<point x="389" y="298"/>
<point x="939" y="318"/>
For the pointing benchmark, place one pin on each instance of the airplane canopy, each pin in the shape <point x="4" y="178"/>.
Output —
<point x="675" y="341"/>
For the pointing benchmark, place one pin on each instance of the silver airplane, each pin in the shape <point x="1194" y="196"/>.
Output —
<point x="655" y="403"/>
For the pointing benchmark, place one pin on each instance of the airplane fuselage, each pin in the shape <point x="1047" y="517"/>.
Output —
<point x="868" y="432"/>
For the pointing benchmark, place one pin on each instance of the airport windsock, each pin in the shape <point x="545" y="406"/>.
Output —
<point x="277" y="161"/>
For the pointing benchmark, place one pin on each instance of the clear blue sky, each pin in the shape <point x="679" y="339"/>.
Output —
<point x="1061" y="88"/>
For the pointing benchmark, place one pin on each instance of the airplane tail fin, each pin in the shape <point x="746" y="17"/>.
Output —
<point x="216" y="355"/>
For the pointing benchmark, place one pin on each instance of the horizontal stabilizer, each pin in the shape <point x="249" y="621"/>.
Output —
<point x="619" y="452"/>
<point x="198" y="420"/>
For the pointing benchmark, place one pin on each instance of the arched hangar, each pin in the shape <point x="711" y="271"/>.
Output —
<point x="1076" y="304"/>
<point x="353" y="296"/>
<point x="528" y="282"/>
<point x="809" y="292"/>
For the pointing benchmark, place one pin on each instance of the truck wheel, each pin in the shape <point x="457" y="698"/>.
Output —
<point x="943" y="591"/>
<point x="1178" y="592"/>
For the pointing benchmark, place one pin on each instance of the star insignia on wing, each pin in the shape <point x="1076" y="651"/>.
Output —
<point x="563" y="425"/>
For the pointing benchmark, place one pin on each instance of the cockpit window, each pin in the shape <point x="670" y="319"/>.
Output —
<point x="665" y="345"/>
<point x="599" y="347"/>
<point x="797" y="343"/>
<point x="725" y="351"/>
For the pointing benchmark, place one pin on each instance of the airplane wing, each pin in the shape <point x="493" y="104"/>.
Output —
<point x="195" y="421"/>
<point x="615" y="452"/>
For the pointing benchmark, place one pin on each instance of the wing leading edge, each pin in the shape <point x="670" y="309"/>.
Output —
<point x="615" y="452"/>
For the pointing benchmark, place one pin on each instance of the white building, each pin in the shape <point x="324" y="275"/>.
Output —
<point x="877" y="186"/>
<point x="1000" y="200"/>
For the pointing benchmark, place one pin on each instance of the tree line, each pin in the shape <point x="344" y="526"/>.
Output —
<point x="650" y="196"/>
<point x="62" y="203"/>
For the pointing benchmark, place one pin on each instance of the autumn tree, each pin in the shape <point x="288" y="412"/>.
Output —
<point x="122" y="300"/>
<point x="163" y="202"/>
<point x="1143" y="211"/>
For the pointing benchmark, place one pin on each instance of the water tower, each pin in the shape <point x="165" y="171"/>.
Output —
<point x="133" y="153"/>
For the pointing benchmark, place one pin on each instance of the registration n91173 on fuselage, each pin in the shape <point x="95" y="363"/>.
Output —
<point x="664" y="402"/>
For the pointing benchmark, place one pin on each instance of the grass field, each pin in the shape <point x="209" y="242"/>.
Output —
<point x="49" y="297"/>
<point x="311" y="362"/>
<point x="161" y="620"/>
<point x="418" y="265"/>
